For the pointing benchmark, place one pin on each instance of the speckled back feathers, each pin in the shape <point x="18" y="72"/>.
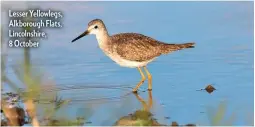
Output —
<point x="138" y="47"/>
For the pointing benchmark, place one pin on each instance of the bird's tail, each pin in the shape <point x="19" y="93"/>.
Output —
<point x="167" y="48"/>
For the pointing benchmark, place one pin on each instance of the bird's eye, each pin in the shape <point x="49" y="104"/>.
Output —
<point x="96" y="27"/>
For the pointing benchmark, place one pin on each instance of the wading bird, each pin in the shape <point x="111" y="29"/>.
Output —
<point x="131" y="50"/>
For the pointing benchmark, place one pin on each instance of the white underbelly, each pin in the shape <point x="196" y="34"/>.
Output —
<point x="121" y="61"/>
<point x="127" y="63"/>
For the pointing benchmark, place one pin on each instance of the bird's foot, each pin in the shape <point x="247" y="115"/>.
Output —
<point x="149" y="89"/>
<point x="135" y="91"/>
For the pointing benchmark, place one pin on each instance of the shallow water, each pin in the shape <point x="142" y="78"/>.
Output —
<point x="223" y="56"/>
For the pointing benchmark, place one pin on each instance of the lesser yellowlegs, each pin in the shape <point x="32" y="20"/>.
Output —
<point x="131" y="49"/>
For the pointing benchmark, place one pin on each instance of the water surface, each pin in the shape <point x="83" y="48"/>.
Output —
<point x="223" y="56"/>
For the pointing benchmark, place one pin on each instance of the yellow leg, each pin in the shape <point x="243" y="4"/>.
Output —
<point x="149" y="78"/>
<point x="142" y="80"/>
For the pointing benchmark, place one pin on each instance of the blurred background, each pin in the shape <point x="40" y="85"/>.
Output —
<point x="79" y="80"/>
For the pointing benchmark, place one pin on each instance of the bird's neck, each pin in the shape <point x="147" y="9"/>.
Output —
<point x="102" y="38"/>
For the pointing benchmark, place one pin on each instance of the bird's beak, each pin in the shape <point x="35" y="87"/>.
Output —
<point x="82" y="35"/>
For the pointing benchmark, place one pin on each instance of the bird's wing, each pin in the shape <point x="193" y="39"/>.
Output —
<point x="135" y="47"/>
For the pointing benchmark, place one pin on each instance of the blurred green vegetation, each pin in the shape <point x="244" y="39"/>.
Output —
<point x="218" y="117"/>
<point x="32" y="80"/>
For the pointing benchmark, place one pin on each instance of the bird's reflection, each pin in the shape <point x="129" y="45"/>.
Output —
<point x="142" y="117"/>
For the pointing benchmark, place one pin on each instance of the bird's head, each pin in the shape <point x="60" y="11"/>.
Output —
<point x="96" y="27"/>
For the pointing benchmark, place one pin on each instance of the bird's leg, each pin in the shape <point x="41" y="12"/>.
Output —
<point x="142" y="80"/>
<point x="149" y="78"/>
